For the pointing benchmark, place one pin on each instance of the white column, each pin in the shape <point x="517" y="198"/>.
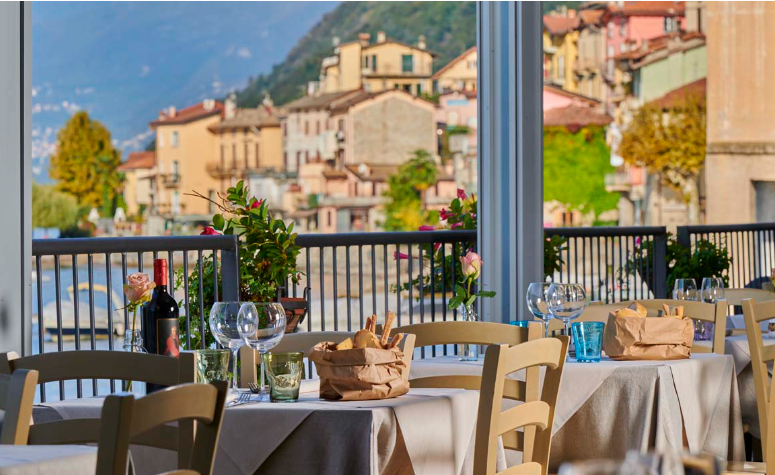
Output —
<point x="510" y="154"/>
<point x="15" y="187"/>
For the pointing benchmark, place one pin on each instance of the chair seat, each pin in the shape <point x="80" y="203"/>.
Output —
<point x="740" y="468"/>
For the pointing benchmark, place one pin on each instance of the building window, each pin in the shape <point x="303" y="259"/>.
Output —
<point x="407" y="88"/>
<point x="175" y="170"/>
<point x="159" y="139"/>
<point x="419" y="88"/>
<point x="622" y="47"/>
<point x="623" y="29"/>
<point x="176" y="202"/>
<point x="374" y="63"/>
<point x="328" y="219"/>
<point x="610" y="28"/>
<point x="247" y="165"/>
<point x="306" y="127"/>
<point x="560" y="66"/>
<point x="611" y="51"/>
<point x="257" y="157"/>
<point x="365" y="62"/>
<point x="670" y="25"/>
<point x="234" y="156"/>
<point x="211" y="204"/>
<point x="285" y="129"/>
<point x="306" y="156"/>
<point x="175" y="139"/>
<point x="407" y="63"/>
<point x="317" y="127"/>
<point x="298" y="160"/>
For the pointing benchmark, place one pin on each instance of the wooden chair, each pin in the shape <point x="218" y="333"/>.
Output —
<point x="480" y="333"/>
<point x="302" y="342"/>
<point x="761" y="355"/>
<point x="735" y="297"/>
<point x="97" y="364"/>
<point x="493" y="422"/>
<point x="125" y="418"/>
<point x="17" y="395"/>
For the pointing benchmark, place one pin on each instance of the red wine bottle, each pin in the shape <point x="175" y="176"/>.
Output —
<point x="160" y="320"/>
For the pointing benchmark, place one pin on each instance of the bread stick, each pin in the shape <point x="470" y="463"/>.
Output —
<point x="386" y="329"/>
<point x="396" y="340"/>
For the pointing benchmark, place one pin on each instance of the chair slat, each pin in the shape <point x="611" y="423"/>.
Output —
<point x="530" y="468"/>
<point x="189" y="401"/>
<point x="535" y="413"/>
<point x="753" y="313"/>
<point x="17" y="393"/>
<point x="513" y="440"/>
<point x="543" y="352"/>
<point x="473" y="333"/>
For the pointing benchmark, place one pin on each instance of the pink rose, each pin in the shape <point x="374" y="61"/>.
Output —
<point x="400" y="255"/>
<point x="472" y="264"/>
<point x="208" y="231"/>
<point x="138" y="288"/>
<point x="427" y="227"/>
<point x="461" y="194"/>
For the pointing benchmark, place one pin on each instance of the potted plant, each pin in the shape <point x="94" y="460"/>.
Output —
<point x="267" y="257"/>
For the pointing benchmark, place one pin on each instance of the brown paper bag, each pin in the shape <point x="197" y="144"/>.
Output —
<point x="359" y="374"/>
<point x="649" y="338"/>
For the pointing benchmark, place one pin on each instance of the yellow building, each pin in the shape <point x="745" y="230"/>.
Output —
<point x="375" y="67"/>
<point x="249" y="140"/>
<point x="458" y="75"/>
<point x="560" y="40"/>
<point x="184" y="146"/>
<point x="139" y="181"/>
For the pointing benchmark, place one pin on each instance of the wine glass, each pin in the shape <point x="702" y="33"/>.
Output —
<point x="566" y="302"/>
<point x="712" y="289"/>
<point x="685" y="289"/>
<point x="262" y="326"/>
<point x="223" y="324"/>
<point x="536" y="302"/>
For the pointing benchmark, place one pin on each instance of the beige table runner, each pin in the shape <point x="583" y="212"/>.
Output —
<point x="47" y="460"/>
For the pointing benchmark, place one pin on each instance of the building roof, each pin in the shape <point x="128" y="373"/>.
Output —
<point x="362" y="96"/>
<point x="138" y="161"/>
<point x="189" y="114"/>
<point x="381" y="173"/>
<point x="558" y="25"/>
<point x="396" y="42"/>
<point x="575" y="116"/>
<point x="573" y="95"/>
<point x="320" y="101"/>
<point x="591" y="17"/>
<point x="453" y="62"/>
<point x="647" y="8"/>
<point x="696" y="89"/>
<point x="666" y="43"/>
<point x="259" y="117"/>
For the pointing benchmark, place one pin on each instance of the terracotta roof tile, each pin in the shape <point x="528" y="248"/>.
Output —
<point x="258" y="117"/>
<point x="320" y="101"/>
<point x="558" y="25"/>
<point x="139" y="160"/>
<point x="657" y="44"/>
<point x="575" y="116"/>
<point x="648" y="8"/>
<point x="189" y="114"/>
<point x="697" y="89"/>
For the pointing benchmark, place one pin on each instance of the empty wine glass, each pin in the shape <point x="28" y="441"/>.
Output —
<point x="223" y="324"/>
<point x="685" y="289"/>
<point x="566" y="302"/>
<point x="536" y="302"/>
<point x="262" y="326"/>
<point x="712" y="289"/>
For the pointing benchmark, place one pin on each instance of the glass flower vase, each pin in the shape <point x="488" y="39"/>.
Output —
<point x="465" y="351"/>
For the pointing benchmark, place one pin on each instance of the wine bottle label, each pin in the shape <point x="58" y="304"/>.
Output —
<point x="167" y="339"/>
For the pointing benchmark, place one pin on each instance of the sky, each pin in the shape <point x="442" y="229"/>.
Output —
<point x="123" y="62"/>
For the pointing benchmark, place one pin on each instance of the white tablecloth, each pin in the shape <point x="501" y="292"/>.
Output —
<point x="429" y="431"/>
<point x="607" y="408"/>
<point x="47" y="460"/>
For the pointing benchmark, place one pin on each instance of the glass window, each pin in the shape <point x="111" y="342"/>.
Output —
<point x="610" y="28"/>
<point x="159" y="139"/>
<point x="211" y="206"/>
<point x="175" y="169"/>
<point x="175" y="140"/>
<point x="407" y="63"/>
<point x="374" y="63"/>
<point x="623" y="29"/>
<point x="175" y="202"/>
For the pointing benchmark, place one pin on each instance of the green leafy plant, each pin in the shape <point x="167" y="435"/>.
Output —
<point x="553" y="248"/>
<point x="707" y="259"/>
<point x="406" y="209"/>
<point x="267" y="256"/>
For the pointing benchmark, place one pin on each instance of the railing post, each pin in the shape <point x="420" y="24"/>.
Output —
<point x="660" y="266"/>
<point x="682" y="236"/>
<point x="230" y="272"/>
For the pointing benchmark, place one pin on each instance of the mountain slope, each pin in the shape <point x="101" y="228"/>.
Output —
<point x="449" y="28"/>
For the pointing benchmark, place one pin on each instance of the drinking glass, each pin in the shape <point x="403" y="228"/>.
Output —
<point x="712" y="291"/>
<point x="212" y="365"/>
<point x="284" y="371"/>
<point x="589" y="341"/>
<point x="262" y="326"/>
<point x="685" y="289"/>
<point x="223" y="324"/>
<point x="566" y="302"/>
<point x="536" y="302"/>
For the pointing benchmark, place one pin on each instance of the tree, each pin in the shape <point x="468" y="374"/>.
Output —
<point x="575" y="165"/>
<point x="670" y="144"/>
<point x="406" y="190"/>
<point x="85" y="163"/>
<point x="52" y="208"/>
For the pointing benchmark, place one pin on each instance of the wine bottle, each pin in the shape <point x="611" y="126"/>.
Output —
<point x="160" y="320"/>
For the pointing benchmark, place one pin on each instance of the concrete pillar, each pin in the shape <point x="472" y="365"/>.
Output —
<point x="15" y="187"/>
<point x="741" y="125"/>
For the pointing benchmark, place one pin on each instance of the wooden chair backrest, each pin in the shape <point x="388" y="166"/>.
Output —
<point x="486" y="334"/>
<point x="493" y="422"/>
<point x="736" y="296"/>
<point x="754" y="313"/>
<point x="98" y="364"/>
<point x="17" y="395"/>
<point x="125" y="418"/>
<point x="302" y="343"/>
<point x="103" y="364"/>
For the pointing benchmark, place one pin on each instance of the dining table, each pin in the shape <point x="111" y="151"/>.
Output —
<point x="47" y="459"/>
<point x="608" y="408"/>
<point x="424" y="432"/>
